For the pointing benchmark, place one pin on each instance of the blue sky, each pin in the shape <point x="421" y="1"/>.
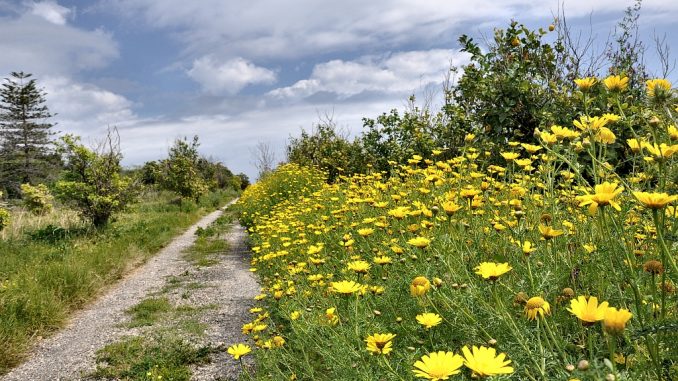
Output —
<point x="241" y="72"/>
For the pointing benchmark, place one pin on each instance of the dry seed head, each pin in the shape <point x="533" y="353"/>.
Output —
<point x="653" y="267"/>
<point x="568" y="292"/>
<point x="545" y="218"/>
<point x="520" y="298"/>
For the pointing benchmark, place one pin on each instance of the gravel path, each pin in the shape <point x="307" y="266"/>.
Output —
<point x="70" y="353"/>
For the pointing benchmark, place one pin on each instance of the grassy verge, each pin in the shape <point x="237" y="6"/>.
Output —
<point x="48" y="271"/>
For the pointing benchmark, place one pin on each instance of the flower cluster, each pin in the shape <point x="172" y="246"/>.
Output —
<point x="385" y="275"/>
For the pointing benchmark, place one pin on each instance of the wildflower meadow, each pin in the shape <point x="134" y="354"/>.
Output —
<point x="548" y="261"/>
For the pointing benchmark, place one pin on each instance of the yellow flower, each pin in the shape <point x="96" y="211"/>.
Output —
<point x="346" y="287"/>
<point x="420" y="242"/>
<point x="616" y="83"/>
<point x="611" y="117"/>
<point x="615" y="320"/>
<point x="438" y="366"/>
<point x="603" y="196"/>
<point x="295" y="315"/>
<point x="634" y="144"/>
<point x="239" y="350"/>
<point x="564" y="132"/>
<point x="491" y="270"/>
<point x="654" y="200"/>
<point x="662" y="151"/>
<point x="380" y="343"/>
<point x="586" y="123"/>
<point x="527" y="248"/>
<point x="450" y="207"/>
<point x="536" y="306"/>
<point x="673" y="132"/>
<point x="469" y="192"/>
<point x="589" y="311"/>
<point x="314" y="249"/>
<point x="530" y="148"/>
<point x="365" y="232"/>
<point x="429" y="319"/>
<point x="548" y="232"/>
<point x="399" y="213"/>
<point x="585" y="84"/>
<point x="509" y="156"/>
<point x="548" y="138"/>
<point x="359" y="266"/>
<point x="383" y="260"/>
<point x="658" y="88"/>
<point x="419" y="286"/>
<point x="278" y="341"/>
<point x="605" y="135"/>
<point x="331" y="315"/>
<point x="485" y="362"/>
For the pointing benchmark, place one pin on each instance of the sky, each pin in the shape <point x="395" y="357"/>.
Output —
<point x="239" y="73"/>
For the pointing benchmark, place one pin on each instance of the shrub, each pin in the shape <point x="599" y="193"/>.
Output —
<point x="92" y="180"/>
<point x="4" y="218"/>
<point x="181" y="170"/>
<point x="325" y="148"/>
<point x="36" y="199"/>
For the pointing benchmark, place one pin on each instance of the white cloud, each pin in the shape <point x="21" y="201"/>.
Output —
<point x="85" y="109"/>
<point x="32" y="44"/>
<point x="50" y="11"/>
<point x="228" y="77"/>
<point x="230" y="138"/>
<point x="258" y="29"/>
<point x="398" y="73"/>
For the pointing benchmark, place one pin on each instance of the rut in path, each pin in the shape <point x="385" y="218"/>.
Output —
<point x="70" y="353"/>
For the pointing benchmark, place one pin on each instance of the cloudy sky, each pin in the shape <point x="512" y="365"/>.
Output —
<point x="241" y="72"/>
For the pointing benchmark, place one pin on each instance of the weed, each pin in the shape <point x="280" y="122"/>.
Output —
<point x="148" y="311"/>
<point x="163" y="357"/>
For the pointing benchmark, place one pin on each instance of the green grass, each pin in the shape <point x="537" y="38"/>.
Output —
<point x="165" y="357"/>
<point x="47" y="273"/>
<point x="148" y="311"/>
<point x="209" y="242"/>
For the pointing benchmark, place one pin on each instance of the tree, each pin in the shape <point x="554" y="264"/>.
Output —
<point x="328" y="149"/>
<point x="244" y="180"/>
<point x="93" y="180"/>
<point x="25" y="138"/>
<point x="264" y="158"/>
<point x="514" y="87"/>
<point x="627" y="51"/>
<point x="182" y="170"/>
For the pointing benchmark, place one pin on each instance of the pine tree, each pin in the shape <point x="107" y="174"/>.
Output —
<point x="26" y="147"/>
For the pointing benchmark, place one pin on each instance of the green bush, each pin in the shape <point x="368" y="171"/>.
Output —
<point x="93" y="182"/>
<point x="36" y="199"/>
<point x="4" y="218"/>
<point x="326" y="149"/>
<point x="181" y="170"/>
